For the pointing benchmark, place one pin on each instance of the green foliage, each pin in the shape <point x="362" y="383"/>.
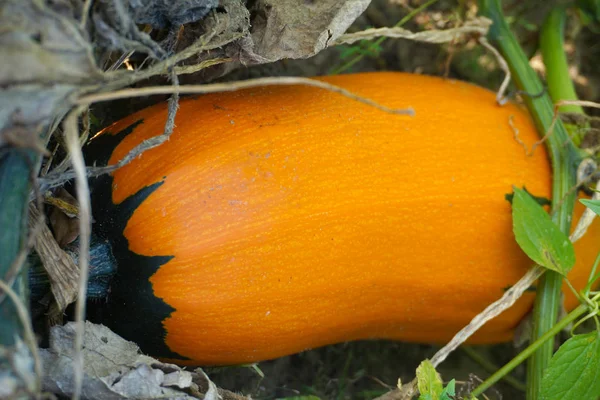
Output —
<point x="538" y="236"/>
<point x="449" y="391"/>
<point x="574" y="370"/>
<point x="593" y="205"/>
<point x="429" y="381"/>
<point x="430" y="384"/>
<point x="542" y="201"/>
<point x="363" y="48"/>
<point x="590" y="10"/>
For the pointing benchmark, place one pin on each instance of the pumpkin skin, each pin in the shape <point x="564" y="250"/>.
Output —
<point x="280" y="219"/>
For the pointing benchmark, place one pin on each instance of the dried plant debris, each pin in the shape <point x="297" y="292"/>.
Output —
<point x="16" y="371"/>
<point x="300" y="29"/>
<point x="114" y="369"/>
<point x="272" y="30"/>
<point x="164" y="13"/>
<point x="43" y="45"/>
<point x="62" y="271"/>
<point x="54" y="48"/>
<point x="476" y="27"/>
<point x="116" y="22"/>
<point x="45" y="57"/>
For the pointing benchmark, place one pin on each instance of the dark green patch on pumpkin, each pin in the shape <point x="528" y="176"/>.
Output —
<point x="131" y="310"/>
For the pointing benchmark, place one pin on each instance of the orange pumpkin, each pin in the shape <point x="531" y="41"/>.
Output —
<point x="279" y="219"/>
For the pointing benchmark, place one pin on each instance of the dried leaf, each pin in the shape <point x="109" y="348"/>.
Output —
<point x="62" y="271"/>
<point x="300" y="29"/>
<point x="42" y="46"/>
<point x="114" y="369"/>
<point x="45" y="57"/>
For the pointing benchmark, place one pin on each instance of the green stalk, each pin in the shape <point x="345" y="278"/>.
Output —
<point x="522" y="356"/>
<point x="564" y="159"/>
<point x="560" y="85"/>
<point x="552" y="46"/>
<point x="492" y="368"/>
<point x="15" y="185"/>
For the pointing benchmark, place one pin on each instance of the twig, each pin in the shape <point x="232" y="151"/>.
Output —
<point x="85" y="11"/>
<point x="83" y="198"/>
<point x="578" y="103"/>
<point x="516" y="134"/>
<point x="548" y="132"/>
<point x="493" y="310"/>
<point x="381" y="39"/>
<point x="586" y="218"/>
<point x="53" y="180"/>
<point x="500" y="98"/>
<point x="506" y="301"/>
<point x="119" y="79"/>
<point x="478" y="26"/>
<point x="28" y="334"/>
<point x="190" y="69"/>
<point x="234" y="86"/>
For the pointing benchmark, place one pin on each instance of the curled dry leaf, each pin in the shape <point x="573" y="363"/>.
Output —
<point x="114" y="369"/>
<point x="300" y="29"/>
<point x="61" y="270"/>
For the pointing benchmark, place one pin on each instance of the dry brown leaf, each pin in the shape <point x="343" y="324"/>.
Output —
<point x="300" y="29"/>
<point x="115" y="369"/>
<point x="62" y="271"/>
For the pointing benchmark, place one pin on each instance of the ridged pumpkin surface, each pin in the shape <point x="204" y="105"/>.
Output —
<point x="296" y="217"/>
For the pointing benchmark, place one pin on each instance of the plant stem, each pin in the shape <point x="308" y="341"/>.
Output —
<point x="522" y="356"/>
<point x="15" y="185"/>
<point x="564" y="157"/>
<point x="560" y="86"/>
<point x="491" y="368"/>
<point x="552" y="46"/>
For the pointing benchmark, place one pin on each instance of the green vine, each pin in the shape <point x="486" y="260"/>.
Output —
<point x="564" y="157"/>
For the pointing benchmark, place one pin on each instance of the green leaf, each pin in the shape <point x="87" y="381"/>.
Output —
<point x="538" y="236"/>
<point x="449" y="391"/>
<point x="429" y="381"/>
<point x="542" y="201"/>
<point x="591" y="9"/>
<point x="574" y="371"/>
<point x="593" y="205"/>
